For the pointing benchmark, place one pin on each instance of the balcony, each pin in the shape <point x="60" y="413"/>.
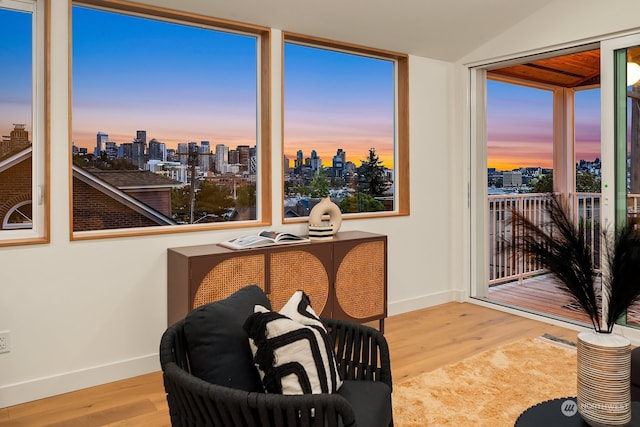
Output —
<point x="516" y="280"/>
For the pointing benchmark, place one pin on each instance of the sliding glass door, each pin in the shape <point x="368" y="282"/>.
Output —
<point x="536" y="132"/>
<point x="621" y="131"/>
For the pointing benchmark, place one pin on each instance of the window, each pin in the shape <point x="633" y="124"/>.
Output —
<point x="170" y="121"/>
<point x="345" y="117"/>
<point x="23" y="156"/>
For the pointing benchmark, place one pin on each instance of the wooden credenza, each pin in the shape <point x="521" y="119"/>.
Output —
<point x="345" y="278"/>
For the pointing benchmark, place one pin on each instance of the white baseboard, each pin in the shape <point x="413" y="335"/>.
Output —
<point x="411" y="304"/>
<point x="14" y="394"/>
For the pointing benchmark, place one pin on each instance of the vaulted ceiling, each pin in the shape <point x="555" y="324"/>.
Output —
<point x="440" y="29"/>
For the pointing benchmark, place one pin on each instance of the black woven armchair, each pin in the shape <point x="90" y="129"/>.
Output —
<point x="364" y="399"/>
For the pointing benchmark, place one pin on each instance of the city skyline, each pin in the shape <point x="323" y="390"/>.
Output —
<point x="327" y="162"/>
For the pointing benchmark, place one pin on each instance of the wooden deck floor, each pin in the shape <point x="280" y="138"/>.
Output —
<point x="540" y="295"/>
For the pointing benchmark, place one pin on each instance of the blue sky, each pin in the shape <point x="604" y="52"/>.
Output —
<point x="15" y="57"/>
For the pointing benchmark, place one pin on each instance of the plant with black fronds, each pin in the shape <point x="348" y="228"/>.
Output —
<point x="621" y="285"/>
<point x="561" y="246"/>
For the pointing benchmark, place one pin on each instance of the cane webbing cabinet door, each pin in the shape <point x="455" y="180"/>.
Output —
<point x="360" y="283"/>
<point x="301" y="268"/>
<point x="325" y="270"/>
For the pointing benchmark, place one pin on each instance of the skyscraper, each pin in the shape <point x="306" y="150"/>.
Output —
<point x="157" y="150"/>
<point x="315" y="161"/>
<point x="183" y="154"/>
<point x="243" y="154"/>
<point x="234" y="157"/>
<point x="204" y="160"/>
<point x="137" y="153"/>
<point x="111" y="148"/>
<point x="222" y="156"/>
<point x="298" y="162"/>
<point x="287" y="165"/>
<point x="101" y="143"/>
<point x="338" y="164"/>
<point x="125" y="151"/>
<point x="141" y="135"/>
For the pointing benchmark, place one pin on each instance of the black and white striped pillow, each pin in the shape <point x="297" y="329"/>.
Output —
<point x="292" y="350"/>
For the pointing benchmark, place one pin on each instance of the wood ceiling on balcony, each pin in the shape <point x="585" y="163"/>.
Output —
<point x="569" y="71"/>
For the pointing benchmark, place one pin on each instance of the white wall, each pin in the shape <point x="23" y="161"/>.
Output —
<point x="88" y="312"/>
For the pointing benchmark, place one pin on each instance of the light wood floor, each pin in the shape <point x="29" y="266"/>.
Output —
<point x="419" y="341"/>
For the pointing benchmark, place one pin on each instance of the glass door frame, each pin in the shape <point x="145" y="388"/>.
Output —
<point x="614" y="133"/>
<point x="563" y="156"/>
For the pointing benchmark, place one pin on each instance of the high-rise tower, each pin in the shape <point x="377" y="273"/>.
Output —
<point x="222" y="157"/>
<point x="204" y="160"/>
<point x="101" y="143"/>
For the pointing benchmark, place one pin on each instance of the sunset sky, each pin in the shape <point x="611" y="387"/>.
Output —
<point x="178" y="83"/>
<point x="335" y="100"/>
<point x="183" y="84"/>
<point x="520" y="126"/>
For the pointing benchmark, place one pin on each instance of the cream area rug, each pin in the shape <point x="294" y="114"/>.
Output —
<point x="491" y="388"/>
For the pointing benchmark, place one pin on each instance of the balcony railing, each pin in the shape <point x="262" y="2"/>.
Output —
<point x="506" y="263"/>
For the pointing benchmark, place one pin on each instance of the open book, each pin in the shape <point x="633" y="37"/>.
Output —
<point x="265" y="238"/>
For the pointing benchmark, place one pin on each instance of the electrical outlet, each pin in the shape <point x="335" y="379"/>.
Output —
<point x="5" y="342"/>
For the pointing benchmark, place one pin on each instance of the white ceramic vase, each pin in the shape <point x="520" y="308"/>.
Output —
<point x="604" y="379"/>
<point x="319" y="228"/>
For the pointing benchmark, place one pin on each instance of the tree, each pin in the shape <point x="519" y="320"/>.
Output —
<point x="360" y="203"/>
<point x="319" y="185"/>
<point x="372" y="176"/>
<point x="212" y="199"/>
<point x="102" y="162"/>
<point x="180" y="206"/>
<point x="543" y="184"/>
<point x="587" y="183"/>
<point x="246" y="196"/>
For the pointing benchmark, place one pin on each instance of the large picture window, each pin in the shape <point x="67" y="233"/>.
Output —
<point x="345" y="128"/>
<point x="23" y="143"/>
<point x="170" y="121"/>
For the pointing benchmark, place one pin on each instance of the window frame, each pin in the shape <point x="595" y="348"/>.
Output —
<point x="401" y="166"/>
<point x="263" y="118"/>
<point x="39" y="152"/>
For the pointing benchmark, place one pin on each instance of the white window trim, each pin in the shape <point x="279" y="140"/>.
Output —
<point x="38" y="231"/>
